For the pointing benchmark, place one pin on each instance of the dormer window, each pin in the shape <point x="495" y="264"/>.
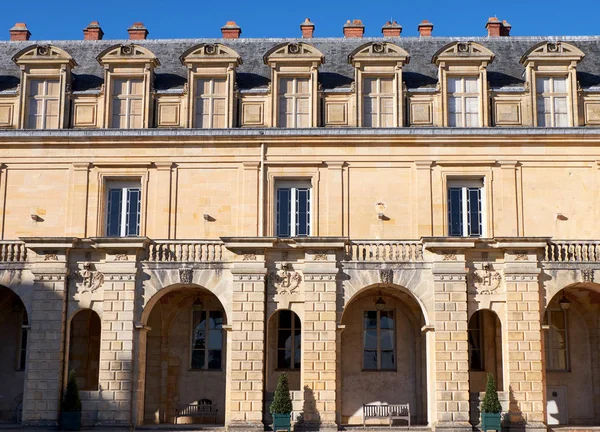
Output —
<point x="378" y="74"/>
<point x="294" y="74"/>
<point x="127" y="103"/>
<point x="550" y="68"/>
<point x="211" y="76"/>
<point x="43" y="104"/>
<point x="462" y="72"/>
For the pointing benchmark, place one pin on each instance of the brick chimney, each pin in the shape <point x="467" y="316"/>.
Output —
<point x="138" y="31"/>
<point x="19" y="32"/>
<point x="496" y="28"/>
<point x="391" y="29"/>
<point x="354" y="29"/>
<point x="231" y="30"/>
<point x="505" y="29"/>
<point x="93" y="31"/>
<point x="307" y="29"/>
<point x="425" y="28"/>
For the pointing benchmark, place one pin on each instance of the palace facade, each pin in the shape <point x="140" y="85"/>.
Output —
<point x="386" y="220"/>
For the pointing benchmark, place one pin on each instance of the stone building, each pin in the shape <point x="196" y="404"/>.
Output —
<point x="384" y="219"/>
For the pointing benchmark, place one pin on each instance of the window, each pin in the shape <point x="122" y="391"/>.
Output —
<point x="378" y="102"/>
<point x="123" y="209"/>
<point x="465" y="209"/>
<point x="127" y="103"/>
<point x="207" y="339"/>
<point x="23" y="342"/>
<point x="476" y="357"/>
<point x="552" y="101"/>
<point x="211" y="103"/>
<point x="379" y="340"/>
<point x="43" y="104"/>
<point x="294" y="102"/>
<point x="293" y="209"/>
<point x="289" y="340"/>
<point x="556" y="341"/>
<point x="463" y="102"/>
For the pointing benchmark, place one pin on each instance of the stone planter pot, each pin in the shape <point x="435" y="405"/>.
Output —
<point x="70" y="421"/>
<point x="491" y="421"/>
<point x="281" y="422"/>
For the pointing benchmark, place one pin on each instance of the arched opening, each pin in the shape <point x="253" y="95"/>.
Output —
<point x="14" y="327"/>
<point x="572" y="356"/>
<point x="84" y="348"/>
<point x="485" y="356"/>
<point x="185" y="359"/>
<point x="383" y="354"/>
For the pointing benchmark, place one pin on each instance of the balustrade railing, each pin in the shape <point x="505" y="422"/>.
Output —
<point x="572" y="251"/>
<point x="187" y="251"/>
<point x="384" y="251"/>
<point x="11" y="251"/>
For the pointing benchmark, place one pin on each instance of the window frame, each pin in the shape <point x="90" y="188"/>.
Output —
<point x="379" y="350"/>
<point x="111" y="97"/>
<point x="59" y="100"/>
<point x="23" y="342"/>
<point x="548" y="342"/>
<point x="279" y="96"/>
<point x="207" y="330"/>
<point x="124" y="185"/>
<point x="196" y="98"/>
<point x="294" y="185"/>
<point x="293" y="329"/>
<point x="466" y="183"/>
<point x="463" y="97"/>
<point x="394" y="97"/>
<point x="552" y="96"/>
<point x="481" y="337"/>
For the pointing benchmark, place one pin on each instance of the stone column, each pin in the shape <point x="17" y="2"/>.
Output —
<point x="451" y="342"/>
<point x="523" y="335"/>
<point x="45" y="351"/>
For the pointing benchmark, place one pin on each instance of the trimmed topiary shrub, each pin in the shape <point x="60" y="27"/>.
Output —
<point x="282" y="402"/>
<point x="71" y="402"/>
<point x="491" y="404"/>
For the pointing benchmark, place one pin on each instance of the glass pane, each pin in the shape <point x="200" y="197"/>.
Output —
<point x="560" y="85"/>
<point x="297" y="322"/>
<point x="387" y="319"/>
<point x="455" y="212"/>
<point x="220" y="87"/>
<point x="119" y="87"/>
<point x="542" y="85"/>
<point x="284" y="339"/>
<point x="454" y="85"/>
<point x="36" y="87"/>
<point x="370" y="85"/>
<point x="137" y="87"/>
<point x="303" y="86"/>
<point x="297" y="340"/>
<point x="215" y="339"/>
<point x="113" y="223"/>
<point x="557" y="318"/>
<point x="370" y="360"/>
<point x="214" y="359"/>
<point x="474" y="209"/>
<point x="297" y="358"/>
<point x="52" y="88"/>
<point x="286" y="85"/>
<point x="133" y="212"/>
<point x="387" y="85"/>
<point x="284" y="210"/>
<point x="370" y="320"/>
<point x="216" y="319"/>
<point x="387" y="339"/>
<point x="370" y="339"/>
<point x="303" y="212"/>
<point x="285" y="319"/>
<point x="560" y="105"/>
<point x="197" y="359"/>
<point x="471" y="85"/>
<point x="387" y="360"/>
<point x="284" y="359"/>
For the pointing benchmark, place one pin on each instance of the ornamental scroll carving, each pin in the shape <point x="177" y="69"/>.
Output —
<point x="186" y="275"/>
<point x="485" y="280"/>
<point x="89" y="278"/>
<point x="285" y="281"/>
<point x="587" y="275"/>
<point x="386" y="276"/>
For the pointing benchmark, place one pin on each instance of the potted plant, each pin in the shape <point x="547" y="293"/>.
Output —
<point x="491" y="408"/>
<point x="281" y="408"/>
<point x="70" y="417"/>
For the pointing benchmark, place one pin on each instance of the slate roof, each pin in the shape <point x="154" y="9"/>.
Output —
<point x="504" y="72"/>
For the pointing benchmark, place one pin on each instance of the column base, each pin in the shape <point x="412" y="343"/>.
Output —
<point x="453" y="427"/>
<point x="245" y="426"/>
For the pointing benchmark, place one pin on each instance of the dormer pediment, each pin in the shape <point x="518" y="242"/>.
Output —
<point x="127" y="53"/>
<point x="43" y="55"/>
<point x="379" y="52"/>
<point x="299" y="52"/>
<point x="463" y="52"/>
<point x="552" y="51"/>
<point x="210" y="53"/>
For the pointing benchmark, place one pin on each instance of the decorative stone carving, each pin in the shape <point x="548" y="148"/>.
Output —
<point x="285" y="281"/>
<point x="186" y="275"/>
<point x="486" y="280"/>
<point x="89" y="278"/>
<point x="386" y="276"/>
<point x="249" y="257"/>
<point x="320" y="257"/>
<point x="587" y="275"/>
<point x="451" y="256"/>
<point x="521" y="257"/>
<point x="121" y="257"/>
<point x="50" y="257"/>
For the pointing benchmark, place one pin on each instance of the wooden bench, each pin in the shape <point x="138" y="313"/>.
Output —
<point x="389" y="411"/>
<point x="201" y="408"/>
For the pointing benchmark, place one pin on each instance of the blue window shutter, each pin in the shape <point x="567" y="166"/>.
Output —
<point x="284" y="212"/>
<point x="455" y="214"/>
<point x="474" y="209"/>
<point x="133" y="212"/>
<point x="113" y="223"/>
<point x="303" y="212"/>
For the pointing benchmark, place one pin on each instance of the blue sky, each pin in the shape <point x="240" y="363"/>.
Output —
<point x="65" y="19"/>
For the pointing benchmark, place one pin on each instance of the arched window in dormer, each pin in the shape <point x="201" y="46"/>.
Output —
<point x="462" y="74"/>
<point x="378" y="78"/>
<point x="294" y="78"/>
<point x="128" y="77"/>
<point x="550" y="68"/>
<point x="45" y="85"/>
<point x="211" y="80"/>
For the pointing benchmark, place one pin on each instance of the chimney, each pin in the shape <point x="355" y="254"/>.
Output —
<point x="138" y="31"/>
<point x="354" y="29"/>
<point x="307" y="29"/>
<point x="493" y="27"/>
<point x="93" y="31"/>
<point x="425" y="28"/>
<point x="505" y="29"/>
<point x="391" y="29"/>
<point x="19" y="32"/>
<point x="231" y="30"/>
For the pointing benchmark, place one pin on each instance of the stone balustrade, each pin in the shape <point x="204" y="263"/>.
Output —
<point x="12" y="251"/>
<point x="384" y="251"/>
<point x="188" y="251"/>
<point x="572" y="251"/>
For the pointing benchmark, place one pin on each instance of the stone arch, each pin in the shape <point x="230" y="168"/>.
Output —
<point x="552" y="50"/>
<point x="210" y="53"/>
<point x="466" y="50"/>
<point x="485" y="349"/>
<point x="386" y="51"/>
<point x="293" y="51"/>
<point x="38" y="53"/>
<point x="127" y="52"/>
<point x="84" y="347"/>
<point x="274" y="326"/>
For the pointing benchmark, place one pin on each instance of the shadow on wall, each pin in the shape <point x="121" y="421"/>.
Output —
<point x="310" y="418"/>
<point x="514" y="416"/>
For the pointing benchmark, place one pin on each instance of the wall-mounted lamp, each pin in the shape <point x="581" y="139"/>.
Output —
<point x="197" y="306"/>
<point x="564" y="303"/>
<point x="561" y="217"/>
<point x="380" y="303"/>
<point x="35" y="218"/>
<point x="208" y="217"/>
